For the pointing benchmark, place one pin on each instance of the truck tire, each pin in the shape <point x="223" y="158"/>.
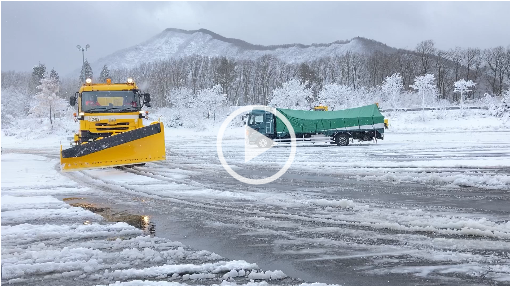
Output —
<point x="263" y="142"/>
<point x="342" y="139"/>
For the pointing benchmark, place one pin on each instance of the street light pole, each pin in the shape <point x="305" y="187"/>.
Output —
<point x="83" y="51"/>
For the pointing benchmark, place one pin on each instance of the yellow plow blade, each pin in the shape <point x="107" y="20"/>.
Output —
<point x="138" y="146"/>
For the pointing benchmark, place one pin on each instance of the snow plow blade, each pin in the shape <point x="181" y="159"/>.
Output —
<point x="138" y="146"/>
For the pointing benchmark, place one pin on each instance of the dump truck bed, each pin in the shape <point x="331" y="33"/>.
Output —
<point x="361" y="118"/>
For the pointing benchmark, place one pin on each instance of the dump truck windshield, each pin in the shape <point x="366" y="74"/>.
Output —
<point x="109" y="101"/>
<point x="255" y="119"/>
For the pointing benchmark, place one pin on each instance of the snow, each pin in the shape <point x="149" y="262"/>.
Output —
<point x="158" y="271"/>
<point x="224" y="283"/>
<point x="43" y="236"/>
<point x="479" y="121"/>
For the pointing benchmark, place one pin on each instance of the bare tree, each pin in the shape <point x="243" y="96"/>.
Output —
<point x="471" y="60"/>
<point x="508" y="65"/>
<point x="425" y="52"/>
<point x="495" y="59"/>
<point x="225" y="76"/>
<point x="441" y="66"/>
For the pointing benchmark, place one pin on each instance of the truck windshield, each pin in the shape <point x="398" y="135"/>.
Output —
<point x="109" y="101"/>
<point x="255" y="119"/>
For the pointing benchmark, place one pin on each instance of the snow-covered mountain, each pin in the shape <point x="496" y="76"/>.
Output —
<point x="176" y="43"/>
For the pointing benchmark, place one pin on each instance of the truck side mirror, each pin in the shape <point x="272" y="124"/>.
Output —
<point x="72" y="100"/>
<point x="146" y="98"/>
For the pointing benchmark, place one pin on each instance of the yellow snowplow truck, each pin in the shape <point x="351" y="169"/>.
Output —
<point x="111" y="131"/>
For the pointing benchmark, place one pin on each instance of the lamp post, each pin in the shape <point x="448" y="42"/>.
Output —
<point x="83" y="51"/>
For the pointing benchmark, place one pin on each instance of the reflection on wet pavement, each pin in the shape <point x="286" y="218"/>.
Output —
<point x="142" y="222"/>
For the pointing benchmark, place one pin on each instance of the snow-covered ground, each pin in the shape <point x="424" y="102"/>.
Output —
<point x="429" y="201"/>
<point x="45" y="241"/>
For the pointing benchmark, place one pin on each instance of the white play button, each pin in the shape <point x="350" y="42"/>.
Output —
<point x="252" y="152"/>
<point x="262" y="144"/>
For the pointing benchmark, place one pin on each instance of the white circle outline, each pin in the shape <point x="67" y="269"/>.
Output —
<point x="224" y="163"/>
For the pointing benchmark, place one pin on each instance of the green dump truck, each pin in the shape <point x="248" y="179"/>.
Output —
<point x="364" y="123"/>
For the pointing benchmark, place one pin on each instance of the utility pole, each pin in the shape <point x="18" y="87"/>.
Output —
<point x="83" y="51"/>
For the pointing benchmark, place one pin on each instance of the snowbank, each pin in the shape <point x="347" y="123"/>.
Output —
<point x="468" y="120"/>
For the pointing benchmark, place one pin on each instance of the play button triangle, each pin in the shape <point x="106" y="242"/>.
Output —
<point x="262" y="144"/>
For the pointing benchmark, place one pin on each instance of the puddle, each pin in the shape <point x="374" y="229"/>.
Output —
<point x="142" y="222"/>
<point x="72" y="199"/>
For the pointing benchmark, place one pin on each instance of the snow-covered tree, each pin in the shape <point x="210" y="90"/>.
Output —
<point x="425" y="86"/>
<point x="105" y="73"/>
<point x="503" y="109"/>
<point x="292" y="95"/>
<point x="46" y="102"/>
<point x="209" y="100"/>
<point x="335" y="96"/>
<point x="38" y="73"/>
<point x="86" y="71"/>
<point x="462" y="86"/>
<point x="392" y="87"/>
<point x="15" y="104"/>
<point x="189" y="110"/>
<point x="490" y="102"/>
<point x="54" y="75"/>
<point x="180" y="97"/>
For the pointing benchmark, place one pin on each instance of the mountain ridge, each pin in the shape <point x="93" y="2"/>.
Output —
<point x="173" y="43"/>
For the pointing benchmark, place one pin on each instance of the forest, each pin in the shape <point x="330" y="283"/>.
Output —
<point x="360" y="77"/>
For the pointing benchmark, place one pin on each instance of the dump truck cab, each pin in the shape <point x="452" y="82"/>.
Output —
<point x="260" y="127"/>
<point x="261" y="121"/>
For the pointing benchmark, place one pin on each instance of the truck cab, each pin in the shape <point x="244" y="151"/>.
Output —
<point x="106" y="109"/>
<point x="260" y="127"/>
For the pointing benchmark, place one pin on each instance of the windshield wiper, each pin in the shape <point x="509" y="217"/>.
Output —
<point x="99" y="108"/>
<point x="111" y="108"/>
<point x="122" y="108"/>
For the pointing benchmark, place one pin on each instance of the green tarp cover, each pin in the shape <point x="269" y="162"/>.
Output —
<point x="304" y="121"/>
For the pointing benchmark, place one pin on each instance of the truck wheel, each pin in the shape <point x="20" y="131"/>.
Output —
<point x="342" y="140"/>
<point x="263" y="142"/>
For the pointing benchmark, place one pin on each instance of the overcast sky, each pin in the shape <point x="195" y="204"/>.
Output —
<point x="48" y="32"/>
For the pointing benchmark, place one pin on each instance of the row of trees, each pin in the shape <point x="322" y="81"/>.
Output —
<point x="87" y="72"/>
<point x="390" y="94"/>
<point x="252" y="81"/>
<point x="35" y="94"/>
<point x="389" y="78"/>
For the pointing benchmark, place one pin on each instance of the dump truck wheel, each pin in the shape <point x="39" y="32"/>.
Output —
<point x="263" y="142"/>
<point x="342" y="140"/>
